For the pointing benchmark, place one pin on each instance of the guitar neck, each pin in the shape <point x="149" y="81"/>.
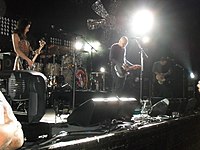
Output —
<point x="36" y="55"/>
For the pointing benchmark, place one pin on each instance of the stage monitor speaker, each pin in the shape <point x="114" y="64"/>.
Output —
<point x="27" y="88"/>
<point x="8" y="62"/>
<point x="97" y="111"/>
<point x="190" y="106"/>
<point x="160" y="108"/>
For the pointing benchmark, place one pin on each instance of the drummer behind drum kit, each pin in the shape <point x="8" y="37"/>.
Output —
<point x="58" y="66"/>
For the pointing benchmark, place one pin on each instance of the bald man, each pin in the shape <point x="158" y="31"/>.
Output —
<point x="119" y="65"/>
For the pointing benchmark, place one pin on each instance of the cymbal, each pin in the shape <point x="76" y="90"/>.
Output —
<point x="58" y="50"/>
<point x="64" y="50"/>
<point x="45" y="55"/>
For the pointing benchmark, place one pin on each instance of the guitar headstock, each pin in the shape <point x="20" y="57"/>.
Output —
<point x="42" y="43"/>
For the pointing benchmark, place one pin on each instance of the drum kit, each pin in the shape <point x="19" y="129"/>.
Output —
<point x="58" y="66"/>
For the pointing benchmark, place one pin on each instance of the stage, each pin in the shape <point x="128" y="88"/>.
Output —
<point x="142" y="132"/>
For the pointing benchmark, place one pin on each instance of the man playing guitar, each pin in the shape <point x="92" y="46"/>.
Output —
<point x="120" y="65"/>
<point x="161" y="80"/>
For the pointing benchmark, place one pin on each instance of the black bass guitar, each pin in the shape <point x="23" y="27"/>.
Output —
<point x="123" y="70"/>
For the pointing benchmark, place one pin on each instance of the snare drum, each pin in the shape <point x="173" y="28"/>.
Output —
<point x="52" y="69"/>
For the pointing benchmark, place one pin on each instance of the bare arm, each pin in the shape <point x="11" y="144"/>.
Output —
<point x="11" y="133"/>
<point x="38" y="51"/>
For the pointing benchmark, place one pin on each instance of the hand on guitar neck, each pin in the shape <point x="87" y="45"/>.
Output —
<point x="37" y="52"/>
<point x="160" y="77"/>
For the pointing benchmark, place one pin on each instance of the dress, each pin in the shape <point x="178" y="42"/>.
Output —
<point x="25" y="47"/>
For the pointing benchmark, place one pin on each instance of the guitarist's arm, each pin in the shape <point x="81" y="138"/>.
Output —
<point x="38" y="51"/>
<point x="168" y="72"/>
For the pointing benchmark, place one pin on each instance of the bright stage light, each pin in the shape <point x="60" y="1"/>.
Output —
<point x="146" y="39"/>
<point x="78" y="45"/>
<point x="102" y="69"/>
<point x="142" y="22"/>
<point x="192" y="75"/>
<point x="87" y="47"/>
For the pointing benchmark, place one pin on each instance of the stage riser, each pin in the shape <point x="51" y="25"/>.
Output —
<point x="177" y="134"/>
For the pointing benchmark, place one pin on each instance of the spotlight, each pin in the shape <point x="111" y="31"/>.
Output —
<point x="142" y="22"/>
<point x="87" y="47"/>
<point x="78" y="45"/>
<point x="146" y="39"/>
<point x="192" y="75"/>
<point x="102" y="69"/>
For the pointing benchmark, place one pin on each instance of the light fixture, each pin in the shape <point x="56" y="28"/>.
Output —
<point x="142" y="22"/>
<point x="102" y="69"/>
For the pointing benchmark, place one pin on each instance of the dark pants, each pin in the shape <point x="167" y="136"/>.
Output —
<point x="117" y="83"/>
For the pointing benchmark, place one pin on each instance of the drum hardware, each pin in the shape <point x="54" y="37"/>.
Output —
<point x="81" y="77"/>
<point x="97" y="81"/>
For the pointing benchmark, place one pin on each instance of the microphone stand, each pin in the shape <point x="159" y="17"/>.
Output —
<point x="75" y="66"/>
<point x="142" y="54"/>
<point x="91" y="55"/>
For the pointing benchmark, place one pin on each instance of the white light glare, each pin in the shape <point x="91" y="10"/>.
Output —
<point x="109" y="99"/>
<point x="102" y="69"/>
<point x="113" y="99"/>
<point x="78" y="45"/>
<point x="192" y="76"/>
<point x="146" y="39"/>
<point x="142" y="22"/>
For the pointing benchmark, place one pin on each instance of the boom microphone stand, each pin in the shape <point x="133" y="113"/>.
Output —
<point x="92" y="48"/>
<point x="75" y="66"/>
<point x="142" y="54"/>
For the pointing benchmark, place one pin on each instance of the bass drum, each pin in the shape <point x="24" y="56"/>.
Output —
<point x="81" y="78"/>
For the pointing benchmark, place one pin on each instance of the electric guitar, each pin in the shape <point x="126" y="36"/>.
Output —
<point x="122" y="71"/>
<point x="160" y="78"/>
<point x="37" y="52"/>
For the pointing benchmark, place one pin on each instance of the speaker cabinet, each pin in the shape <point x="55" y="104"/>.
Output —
<point x="8" y="62"/>
<point x="93" y="112"/>
<point x="27" y="88"/>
